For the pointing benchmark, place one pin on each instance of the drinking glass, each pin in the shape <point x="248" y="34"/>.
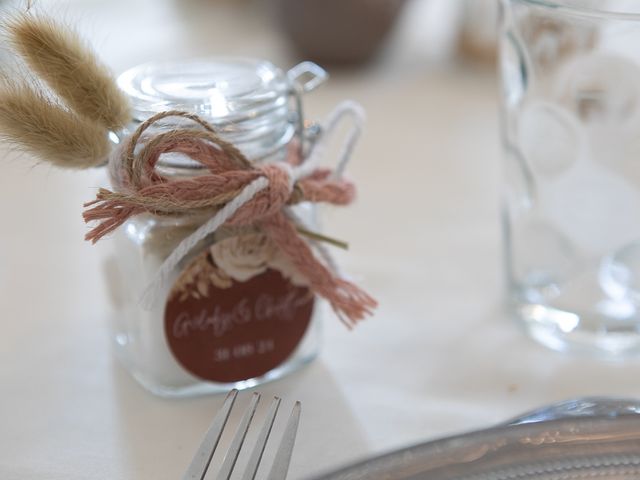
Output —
<point x="570" y="72"/>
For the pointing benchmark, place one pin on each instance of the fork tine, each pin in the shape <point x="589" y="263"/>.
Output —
<point x="238" y="440"/>
<point x="201" y="460"/>
<point x="261" y="442"/>
<point x="283" y="455"/>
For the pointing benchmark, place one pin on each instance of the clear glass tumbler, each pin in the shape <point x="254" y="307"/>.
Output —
<point x="571" y="205"/>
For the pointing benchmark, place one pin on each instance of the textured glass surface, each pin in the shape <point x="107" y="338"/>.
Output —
<point x="571" y="124"/>
<point x="596" y="8"/>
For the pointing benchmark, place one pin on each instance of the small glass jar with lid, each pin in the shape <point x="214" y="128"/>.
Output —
<point x="234" y="314"/>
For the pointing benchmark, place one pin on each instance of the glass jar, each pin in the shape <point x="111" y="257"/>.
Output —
<point x="233" y="315"/>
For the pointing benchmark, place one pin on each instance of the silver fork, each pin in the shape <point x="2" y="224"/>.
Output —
<point x="202" y="459"/>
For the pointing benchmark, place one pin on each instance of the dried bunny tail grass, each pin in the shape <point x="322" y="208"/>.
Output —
<point x="31" y="121"/>
<point x="69" y="66"/>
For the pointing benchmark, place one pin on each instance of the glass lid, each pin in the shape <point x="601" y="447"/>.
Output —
<point x="221" y="89"/>
<point x="247" y="101"/>
<point x="251" y="103"/>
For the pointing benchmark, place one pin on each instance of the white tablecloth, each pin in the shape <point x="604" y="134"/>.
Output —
<point x="439" y="357"/>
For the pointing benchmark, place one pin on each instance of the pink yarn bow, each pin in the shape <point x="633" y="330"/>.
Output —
<point x="230" y="175"/>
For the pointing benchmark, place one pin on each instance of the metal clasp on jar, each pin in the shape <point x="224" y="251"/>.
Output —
<point x="303" y="78"/>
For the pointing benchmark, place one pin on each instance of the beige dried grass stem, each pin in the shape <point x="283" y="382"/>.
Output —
<point x="31" y="121"/>
<point x="69" y="66"/>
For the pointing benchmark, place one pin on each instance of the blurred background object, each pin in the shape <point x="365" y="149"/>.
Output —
<point x="354" y="32"/>
<point x="338" y="31"/>
<point x="479" y="30"/>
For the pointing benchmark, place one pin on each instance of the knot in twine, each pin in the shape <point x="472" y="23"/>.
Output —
<point x="236" y="192"/>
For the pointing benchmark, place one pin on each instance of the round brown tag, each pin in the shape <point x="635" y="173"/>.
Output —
<point x="223" y="329"/>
